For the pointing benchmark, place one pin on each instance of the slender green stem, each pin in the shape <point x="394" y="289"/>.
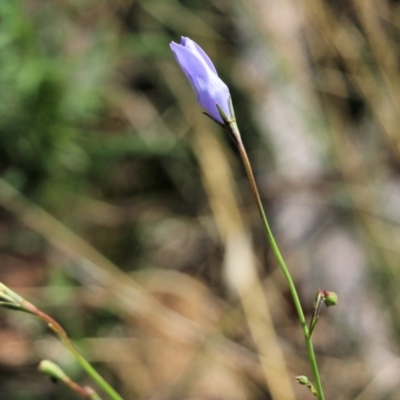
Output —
<point x="9" y="298"/>
<point x="58" y="329"/>
<point x="310" y="349"/>
<point x="84" y="363"/>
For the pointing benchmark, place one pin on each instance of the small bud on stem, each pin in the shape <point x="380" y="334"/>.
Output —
<point x="303" y="380"/>
<point x="55" y="372"/>
<point x="322" y="296"/>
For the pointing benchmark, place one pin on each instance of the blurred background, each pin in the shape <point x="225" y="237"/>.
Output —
<point x="126" y="215"/>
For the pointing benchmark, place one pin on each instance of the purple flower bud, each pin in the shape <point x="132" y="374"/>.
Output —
<point x="203" y="77"/>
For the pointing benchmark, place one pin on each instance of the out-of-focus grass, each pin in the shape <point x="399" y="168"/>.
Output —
<point x="154" y="222"/>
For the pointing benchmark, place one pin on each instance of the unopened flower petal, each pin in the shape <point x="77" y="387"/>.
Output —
<point x="195" y="48"/>
<point x="202" y="75"/>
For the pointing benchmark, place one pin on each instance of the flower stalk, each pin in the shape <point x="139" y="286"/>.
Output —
<point x="233" y="129"/>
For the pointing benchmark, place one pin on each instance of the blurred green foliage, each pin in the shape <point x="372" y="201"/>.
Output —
<point x="48" y="94"/>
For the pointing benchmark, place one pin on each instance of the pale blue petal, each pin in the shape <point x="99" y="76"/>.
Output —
<point x="196" y="49"/>
<point x="193" y="67"/>
<point x="209" y="88"/>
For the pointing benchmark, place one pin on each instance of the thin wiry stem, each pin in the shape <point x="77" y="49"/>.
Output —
<point x="58" y="329"/>
<point x="234" y="130"/>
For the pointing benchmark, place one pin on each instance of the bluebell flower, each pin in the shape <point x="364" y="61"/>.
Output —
<point x="212" y="94"/>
